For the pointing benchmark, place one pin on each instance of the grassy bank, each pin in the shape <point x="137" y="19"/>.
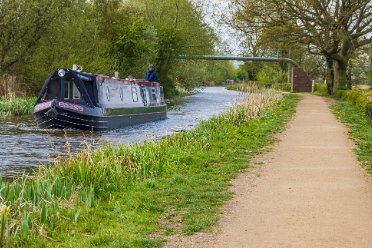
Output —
<point x="120" y="196"/>
<point x="360" y="130"/>
<point x="361" y="99"/>
<point x="16" y="106"/>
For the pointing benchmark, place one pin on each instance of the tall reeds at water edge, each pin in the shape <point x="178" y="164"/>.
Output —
<point x="16" y="106"/>
<point x="38" y="205"/>
<point x="254" y="103"/>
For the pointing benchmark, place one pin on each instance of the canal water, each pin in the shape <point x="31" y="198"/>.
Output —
<point x="24" y="147"/>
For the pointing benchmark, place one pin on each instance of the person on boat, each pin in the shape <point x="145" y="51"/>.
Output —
<point x="151" y="74"/>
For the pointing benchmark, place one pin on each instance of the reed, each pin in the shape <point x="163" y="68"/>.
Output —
<point x="285" y="87"/>
<point x="38" y="205"/>
<point x="16" y="106"/>
<point x="254" y="103"/>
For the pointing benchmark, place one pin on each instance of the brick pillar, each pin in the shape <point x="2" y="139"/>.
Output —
<point x="300" y="80"/>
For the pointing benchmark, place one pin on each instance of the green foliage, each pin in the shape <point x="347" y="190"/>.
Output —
<point x="249" y="70"/>
<point x="23" y="23"/>
<point x="360" y="129"/>
<point x="181" y="31"/>
<point x="134" y="43"/>
<point x="360" y="67"/>
<point x="189" y="74"/>
<point x="270" y="75"/>
<point x="320" y="89"/>
<point x="16" y="106"/>
<point x="105" y="36"/>
<point x="115" y="196"/>
<point x="362" y="99"/>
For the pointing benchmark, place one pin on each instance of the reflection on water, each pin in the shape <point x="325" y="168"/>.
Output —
<point x="23" y="146"/>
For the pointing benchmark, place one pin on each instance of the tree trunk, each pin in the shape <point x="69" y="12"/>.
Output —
<point x="349" y="75"/>
<point x="330" y="76"/>
<point x="340" y="70"/>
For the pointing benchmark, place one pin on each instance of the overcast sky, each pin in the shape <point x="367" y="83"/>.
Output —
<point x="214" y="10"/>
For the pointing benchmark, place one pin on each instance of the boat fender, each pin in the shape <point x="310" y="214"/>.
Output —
<point x="52" y="113"/>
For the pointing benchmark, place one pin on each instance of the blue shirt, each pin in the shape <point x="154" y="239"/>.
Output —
<point x="151" y="76"/>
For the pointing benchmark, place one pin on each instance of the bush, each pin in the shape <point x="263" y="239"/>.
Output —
<point x="362" y="99"/>
<point x="272" y="75"/>
<point x="320" y="89"/>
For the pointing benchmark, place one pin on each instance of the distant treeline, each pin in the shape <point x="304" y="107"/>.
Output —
<point x="104" y="36"/>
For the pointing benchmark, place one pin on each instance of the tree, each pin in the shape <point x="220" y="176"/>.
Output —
<point x="134" y="43"/>
<point x="78" y="34"/>
<point x="334" y="29"/>
<point x="40" y="36"/>
<point x="360" y="67"/>
<point x="180" y="30"/>
<point x="22" y="24"/>
<point x="271" y="74"/>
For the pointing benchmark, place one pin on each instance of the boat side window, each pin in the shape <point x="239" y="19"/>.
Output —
<point x="162" y="95"/>
<point x="143" y="95"/>
<point x="121" y="94"/>
<point x="108" y="93"/>
<point x="153" y="94"/>
<point x="134" y="94"/>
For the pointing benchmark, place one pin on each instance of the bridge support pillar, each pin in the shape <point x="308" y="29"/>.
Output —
<point x="300" y="80"/>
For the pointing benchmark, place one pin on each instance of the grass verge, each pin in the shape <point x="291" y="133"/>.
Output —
<point x="360" y="130"/>
<point x="120" y="196"/>
<point x="16" y="106"/>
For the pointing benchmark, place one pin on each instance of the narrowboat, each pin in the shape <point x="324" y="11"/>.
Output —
<point x="71" y="99"/>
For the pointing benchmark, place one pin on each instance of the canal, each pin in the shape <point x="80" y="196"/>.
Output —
<point x="24" y="147"/>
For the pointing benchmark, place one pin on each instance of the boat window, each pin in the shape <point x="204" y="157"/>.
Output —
<point x="153" y="94"/>
<point x="67" y="91"/>
<point x="108" y="93"/>
<point x="71" y="91"/>
<point x="121" y="94"/>
<point x="53" y="91"/>
<point x="76" y="92"/>
<point x="134" y="94"/>
<point x="143" y="95"/>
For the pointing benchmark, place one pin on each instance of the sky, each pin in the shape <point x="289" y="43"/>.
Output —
<point x="214" y="10"/>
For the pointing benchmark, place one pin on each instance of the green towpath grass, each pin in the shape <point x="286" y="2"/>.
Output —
<point x="360" y="130"/>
